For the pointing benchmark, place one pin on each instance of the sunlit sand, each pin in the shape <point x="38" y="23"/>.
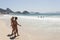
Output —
<point x="32" y="29"/>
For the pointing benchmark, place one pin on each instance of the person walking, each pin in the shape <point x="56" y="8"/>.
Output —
<point x="15" y="23"/>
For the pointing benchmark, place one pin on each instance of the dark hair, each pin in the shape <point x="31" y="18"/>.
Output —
<point x="12" y="18"/>
<point x="16" y="18"/>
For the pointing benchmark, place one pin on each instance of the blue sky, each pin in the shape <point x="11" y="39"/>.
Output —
<point x="31" y="5"/>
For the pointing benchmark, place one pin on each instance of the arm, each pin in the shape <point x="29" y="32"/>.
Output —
<point x="18" y="24"/>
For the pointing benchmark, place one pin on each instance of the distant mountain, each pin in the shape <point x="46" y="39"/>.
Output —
<point x="17" y="12"/>
<point x="2" y="10"/>
<point x="25" y="12"/>
<point x="9" y="10"/>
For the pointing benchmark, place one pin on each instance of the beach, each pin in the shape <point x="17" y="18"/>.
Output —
<point x="32" y="28"/>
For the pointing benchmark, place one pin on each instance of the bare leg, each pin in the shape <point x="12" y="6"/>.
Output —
<point x="17" y="31"/>
<point x="13" y="31"/>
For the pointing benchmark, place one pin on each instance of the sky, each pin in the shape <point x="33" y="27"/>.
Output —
<point x="31" y="5"/>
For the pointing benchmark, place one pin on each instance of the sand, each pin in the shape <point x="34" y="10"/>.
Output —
<point x="32" y="29"/>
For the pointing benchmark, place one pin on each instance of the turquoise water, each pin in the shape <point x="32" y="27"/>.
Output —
<point x="33" y="16"/>
<point x="39" y="16"/>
